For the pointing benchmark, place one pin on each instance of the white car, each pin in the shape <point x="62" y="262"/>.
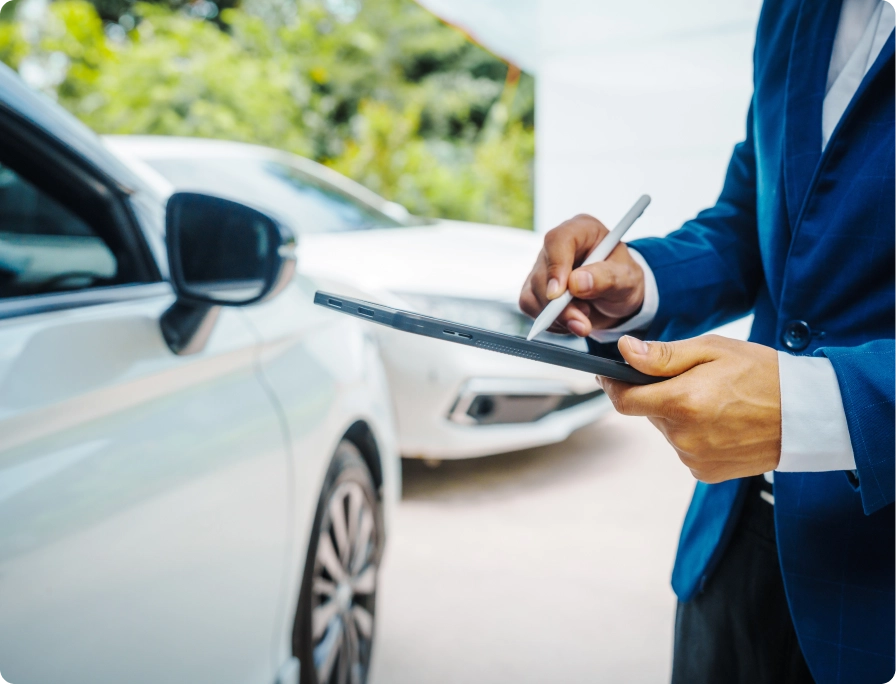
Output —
<point x="451" y="401"/>
<point x="190" y="491"/>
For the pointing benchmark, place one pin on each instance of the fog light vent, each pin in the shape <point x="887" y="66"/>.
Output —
<point x="507" y="401"/>
<point x="509" y="408"/>
<point x="481" y="408"/>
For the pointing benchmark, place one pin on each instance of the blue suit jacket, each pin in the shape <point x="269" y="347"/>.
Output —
<point x="798" y="234"/>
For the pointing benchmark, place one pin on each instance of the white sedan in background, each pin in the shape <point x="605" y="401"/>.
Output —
<point x="451" y="401"/>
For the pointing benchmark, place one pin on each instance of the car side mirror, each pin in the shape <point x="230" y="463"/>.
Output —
<point x="220" y="253"/>
<point x="225" y="253"/>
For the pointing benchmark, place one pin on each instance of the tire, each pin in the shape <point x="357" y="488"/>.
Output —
<point x="334" y="625"/>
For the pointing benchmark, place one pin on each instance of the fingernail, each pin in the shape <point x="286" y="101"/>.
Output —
<point x="599" y="381"/>
<point x="636" y="345"/>
<point x="583" y="281"/>
<point x="553" y="288"/>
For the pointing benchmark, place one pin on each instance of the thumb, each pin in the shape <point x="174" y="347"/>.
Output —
<point x="666" y="359"/>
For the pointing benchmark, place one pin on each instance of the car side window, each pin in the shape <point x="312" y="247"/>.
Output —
<point x="44" y="246"/>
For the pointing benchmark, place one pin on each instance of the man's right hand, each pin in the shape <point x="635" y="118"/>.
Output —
<point x="606" y="293"/>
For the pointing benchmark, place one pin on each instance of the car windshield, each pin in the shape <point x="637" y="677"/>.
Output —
<point x="307" y="204"/>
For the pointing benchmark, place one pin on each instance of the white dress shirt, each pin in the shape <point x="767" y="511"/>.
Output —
<point x="814" y="431"/>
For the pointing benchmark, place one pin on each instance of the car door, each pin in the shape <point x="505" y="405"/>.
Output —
<point x="143" y="495"/>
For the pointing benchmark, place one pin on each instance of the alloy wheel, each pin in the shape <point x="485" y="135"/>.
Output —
<point x="343" y="589"/>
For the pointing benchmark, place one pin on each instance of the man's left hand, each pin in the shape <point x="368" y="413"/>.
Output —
<point x="722" y="409"/>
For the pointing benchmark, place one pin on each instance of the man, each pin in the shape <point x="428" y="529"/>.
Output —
<point x="794" y="584"/>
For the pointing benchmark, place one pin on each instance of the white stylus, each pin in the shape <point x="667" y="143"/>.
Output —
<point x="601" y="251"/>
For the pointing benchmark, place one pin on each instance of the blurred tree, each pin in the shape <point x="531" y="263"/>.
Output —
<point x="380" y="90"/>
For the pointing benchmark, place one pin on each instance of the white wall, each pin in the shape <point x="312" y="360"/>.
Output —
<point x="638" y="97"/>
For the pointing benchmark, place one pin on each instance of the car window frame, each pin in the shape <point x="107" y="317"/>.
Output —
<point x="25" y="140"/>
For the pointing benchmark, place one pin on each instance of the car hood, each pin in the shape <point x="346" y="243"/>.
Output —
<point x="449" y="258"/>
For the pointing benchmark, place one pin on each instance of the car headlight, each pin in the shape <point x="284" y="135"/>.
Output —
<point x="478" y="313"/>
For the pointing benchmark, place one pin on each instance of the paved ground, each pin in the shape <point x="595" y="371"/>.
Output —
<point x="547" y="565"/>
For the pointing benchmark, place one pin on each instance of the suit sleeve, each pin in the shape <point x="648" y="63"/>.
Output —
<point x="866" y="377"/>
<point x="709" y="271"/>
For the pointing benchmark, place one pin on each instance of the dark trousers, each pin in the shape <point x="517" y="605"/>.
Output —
<point x="738" y="629"/>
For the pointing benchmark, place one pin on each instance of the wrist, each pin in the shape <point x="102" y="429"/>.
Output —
<point x="642" y="291"/>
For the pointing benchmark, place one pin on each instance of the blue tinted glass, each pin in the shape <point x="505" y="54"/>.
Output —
<point x="44" y="247"/>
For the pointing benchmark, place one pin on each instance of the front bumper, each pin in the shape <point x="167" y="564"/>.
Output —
<point x="449" y="440"/>
<point x="512" y="401"/>
<point x="453" y="401"/>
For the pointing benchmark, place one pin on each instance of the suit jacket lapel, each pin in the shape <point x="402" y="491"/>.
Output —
<point x="807" y="73"/>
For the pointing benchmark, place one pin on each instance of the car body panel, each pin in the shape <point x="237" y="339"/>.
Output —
<point x="142" y="493"/>
<point x="326" y="374"/>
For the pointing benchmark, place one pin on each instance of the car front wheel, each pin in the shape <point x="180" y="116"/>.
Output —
<point x="333" y="635"/>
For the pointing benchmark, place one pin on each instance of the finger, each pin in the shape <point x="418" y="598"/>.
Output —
<point x="592" y="281"/>
<point x="668" y="429"/>
<point x="600" y="321"/>
<point x="660" y="400"/>
<point x="533" y="297"/>
<point x="667" y="359"/>
<point x="558" y="329"/>
<point x="614" y="287"/>
<point x="531" y="307"/>
<point x="534" y="287"/>
<point x="573" y="319"/>
<point x="576" y="318"/>
<point x="605" y="274"/>
<point x="529" y="303"/>
<point x="673" y="433"/>
<point x="597" y="320"/>
<point x="581" y="319"/>
<point x="537" y="282"/>
<point x="565" y="246"/>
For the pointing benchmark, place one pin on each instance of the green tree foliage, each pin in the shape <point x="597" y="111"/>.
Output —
<point x="381" y="91"/>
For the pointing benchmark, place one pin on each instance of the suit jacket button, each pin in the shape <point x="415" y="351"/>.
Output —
<point x="796" y="335"/>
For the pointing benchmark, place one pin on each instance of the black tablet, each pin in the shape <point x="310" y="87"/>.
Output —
<point x="483" y="339"/>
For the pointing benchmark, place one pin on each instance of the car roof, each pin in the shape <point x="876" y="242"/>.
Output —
<point x="40" y="111"/>
<point x="149" y="147"/>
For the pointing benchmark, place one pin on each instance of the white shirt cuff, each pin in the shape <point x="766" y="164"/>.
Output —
<point x="641" y="320"/>
<point x="814" y="431"/>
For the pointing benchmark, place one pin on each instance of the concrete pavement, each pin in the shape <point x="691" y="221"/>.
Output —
<point x="546" y="565"/>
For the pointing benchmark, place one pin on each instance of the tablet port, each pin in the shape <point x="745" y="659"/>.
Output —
<point x="365" y="312"/>
<point x="458" y="334"/>
<point x="335" y="302"/>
